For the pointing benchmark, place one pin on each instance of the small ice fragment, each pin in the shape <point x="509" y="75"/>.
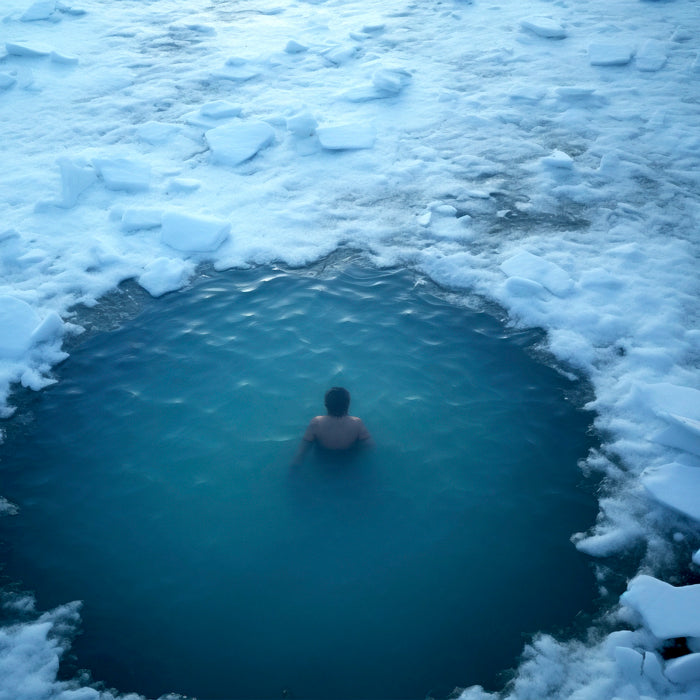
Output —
<point x="610" y="54"/>
<point x="7" y="81"/>
<point x="684" y="669"/>
<point x="675" y="485"/>
<point x="374" y="27"/>
<point x="668" y="611"/>
<point x="391" y="80"/>
<point x="235" y="143"/>
<point x="346" y="137"/>
<point x="183" y="184"/>
<point x="651" y="56"/>
<point x="220" y="109"/>
<point x="544" y="27"/>
<point x="42" y="9"/>
<point x="76" y="177"/>
<point x="574" y="92"/>
<point x="523" y="288"/>
<point x="123" y="174"/>
<point x="558" y="159"/>
<point x="338" y="55"/>
<point x="629" y="662"/>
<point x="682" y="34"/>
<point x="302" y="124"/>
<point x="295" y="47"/>
<point x="696" y="558"/>
<point x="68" y="10"/>
<point x="364" y="93"/>
<point x="537" y="269"/>
<point x="193" y="234"/>
<point x="652" y="668"/>
<point x="26" y="50"/>
<point x="50" y="328"/>
<point x="18" y="321"/>
<point x="164" y="275"/>
<point x="138" y="218"/>
<point x="63" y="59"/>
<point x="235" y="73"/>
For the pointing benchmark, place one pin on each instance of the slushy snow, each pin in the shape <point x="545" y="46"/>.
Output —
<point x="544" y="156"/>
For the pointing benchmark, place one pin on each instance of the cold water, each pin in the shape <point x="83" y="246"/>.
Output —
<point x="154" y="484"/>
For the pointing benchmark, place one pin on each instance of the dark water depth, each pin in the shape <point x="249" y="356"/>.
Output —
<point x="154" y="484"/>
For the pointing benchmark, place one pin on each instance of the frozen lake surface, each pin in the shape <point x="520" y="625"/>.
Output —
<point x="154" y="483"/>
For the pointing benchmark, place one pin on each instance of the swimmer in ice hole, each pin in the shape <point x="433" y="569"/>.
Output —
<point x="335" y="431"/>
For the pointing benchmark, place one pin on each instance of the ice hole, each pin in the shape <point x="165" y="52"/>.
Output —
<point x="154" y="484"/>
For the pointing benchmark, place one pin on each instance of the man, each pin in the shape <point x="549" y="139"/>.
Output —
<point x="335" y="431"/>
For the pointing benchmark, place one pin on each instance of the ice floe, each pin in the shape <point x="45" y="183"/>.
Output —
<point x="668" y="611"/>
<point x="234" y="143"/>
<point x="193" y="234"/>
<point x="341" y="137"/>
<point x="675" y="485"/>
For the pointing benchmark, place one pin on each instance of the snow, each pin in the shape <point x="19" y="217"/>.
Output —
<point x="541" y="155"/>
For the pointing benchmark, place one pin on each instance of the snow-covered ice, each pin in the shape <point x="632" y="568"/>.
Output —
<point x="668" y="611"/>
<point x="542" y="155"/>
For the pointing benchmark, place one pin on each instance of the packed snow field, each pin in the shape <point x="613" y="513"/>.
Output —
<point x="543" y="155"/>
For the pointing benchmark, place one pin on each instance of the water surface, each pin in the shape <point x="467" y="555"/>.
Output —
<point x="154" y="483"/>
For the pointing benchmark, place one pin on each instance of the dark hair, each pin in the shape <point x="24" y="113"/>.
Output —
<point x="337" y="401"/>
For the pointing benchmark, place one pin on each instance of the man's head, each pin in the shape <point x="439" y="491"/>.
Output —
<point x="337" y="401"/>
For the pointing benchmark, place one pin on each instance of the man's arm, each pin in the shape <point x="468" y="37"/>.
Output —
<point x="304" y="447"/>
<point x="305" y="444"/>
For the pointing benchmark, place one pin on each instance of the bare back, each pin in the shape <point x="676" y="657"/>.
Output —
<point x="337" y="432"/>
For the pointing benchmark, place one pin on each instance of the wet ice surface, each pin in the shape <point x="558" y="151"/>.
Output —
<point x="543" y="155"/>
<point x="173" y="439"/>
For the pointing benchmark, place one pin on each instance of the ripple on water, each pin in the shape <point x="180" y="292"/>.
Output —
<point x="154" y="485"/>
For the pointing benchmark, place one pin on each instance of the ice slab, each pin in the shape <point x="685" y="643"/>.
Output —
<point x="346" y="137"/>
<point x="235" y="143"/>
<point x="76" y="177"/>
<point x="668" y="611"/>
<point x="544" y="27"/>
<point x="651" y="56"/>
<point x="531" y="267"/>
<point x="684" y="669"/>
<point x="164" y="275"/>
<point x="123" y="174"/>
<point x="675" y="485"/>
<point x="26" y="49"/>
<point x="193" y="234"/>
<point x="42" y="9"/>
<point x="610" y="53"/>
<point x="18" y="322"/>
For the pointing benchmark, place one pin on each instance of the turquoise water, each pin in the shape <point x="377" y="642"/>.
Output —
<point x="154" y="483"/>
